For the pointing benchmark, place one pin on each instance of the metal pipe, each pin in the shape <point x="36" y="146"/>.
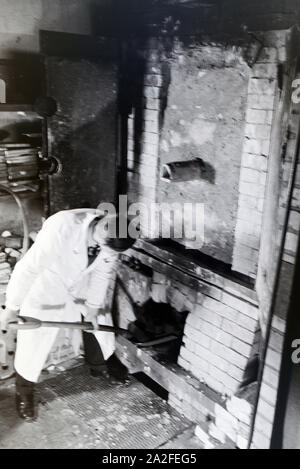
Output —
<point x="179" y="171"/>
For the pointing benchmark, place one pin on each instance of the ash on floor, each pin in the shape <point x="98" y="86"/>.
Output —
<point x="78" y="411"/>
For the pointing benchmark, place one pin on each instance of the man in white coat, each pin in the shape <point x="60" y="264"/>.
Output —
<point x="57" y="280"/>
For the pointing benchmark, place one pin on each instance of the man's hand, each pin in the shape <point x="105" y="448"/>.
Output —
<point x="7" y="315"/>
<point x="92" y="315"/>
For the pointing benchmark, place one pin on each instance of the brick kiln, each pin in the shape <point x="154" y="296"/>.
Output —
<point x="207" y="100"/>
<point x="219" y="100"/>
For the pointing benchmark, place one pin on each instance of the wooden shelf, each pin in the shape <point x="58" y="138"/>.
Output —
<point x="16" y="107"/>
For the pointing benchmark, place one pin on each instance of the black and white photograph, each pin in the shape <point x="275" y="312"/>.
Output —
<point x="149" y="227"/>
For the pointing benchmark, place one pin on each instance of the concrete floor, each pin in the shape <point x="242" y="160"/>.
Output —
<point x="77" y="411"/>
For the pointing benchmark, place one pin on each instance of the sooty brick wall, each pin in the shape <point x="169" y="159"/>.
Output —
<point x="186" y="113"/>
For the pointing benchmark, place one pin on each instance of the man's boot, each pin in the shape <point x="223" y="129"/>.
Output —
<point x="25" y="398"/>
<point x="117" y="370"/>
<point x="112" y="369"/>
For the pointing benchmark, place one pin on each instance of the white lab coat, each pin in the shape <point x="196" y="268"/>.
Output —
<point x="53" y="282"/>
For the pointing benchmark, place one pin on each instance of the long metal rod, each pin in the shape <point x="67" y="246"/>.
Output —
<point x="86" y="326"/>
<point x="33" y="323"/>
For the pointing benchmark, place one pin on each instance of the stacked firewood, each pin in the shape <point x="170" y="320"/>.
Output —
<point x="5" y="271"/>
<point x="10" y="253"/>
<point x="19" y="167"/>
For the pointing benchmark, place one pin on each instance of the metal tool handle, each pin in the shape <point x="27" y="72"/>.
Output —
<point x="159" y="341"/>
<point x="85" y="326"/>
<point x="27" y="323"/>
